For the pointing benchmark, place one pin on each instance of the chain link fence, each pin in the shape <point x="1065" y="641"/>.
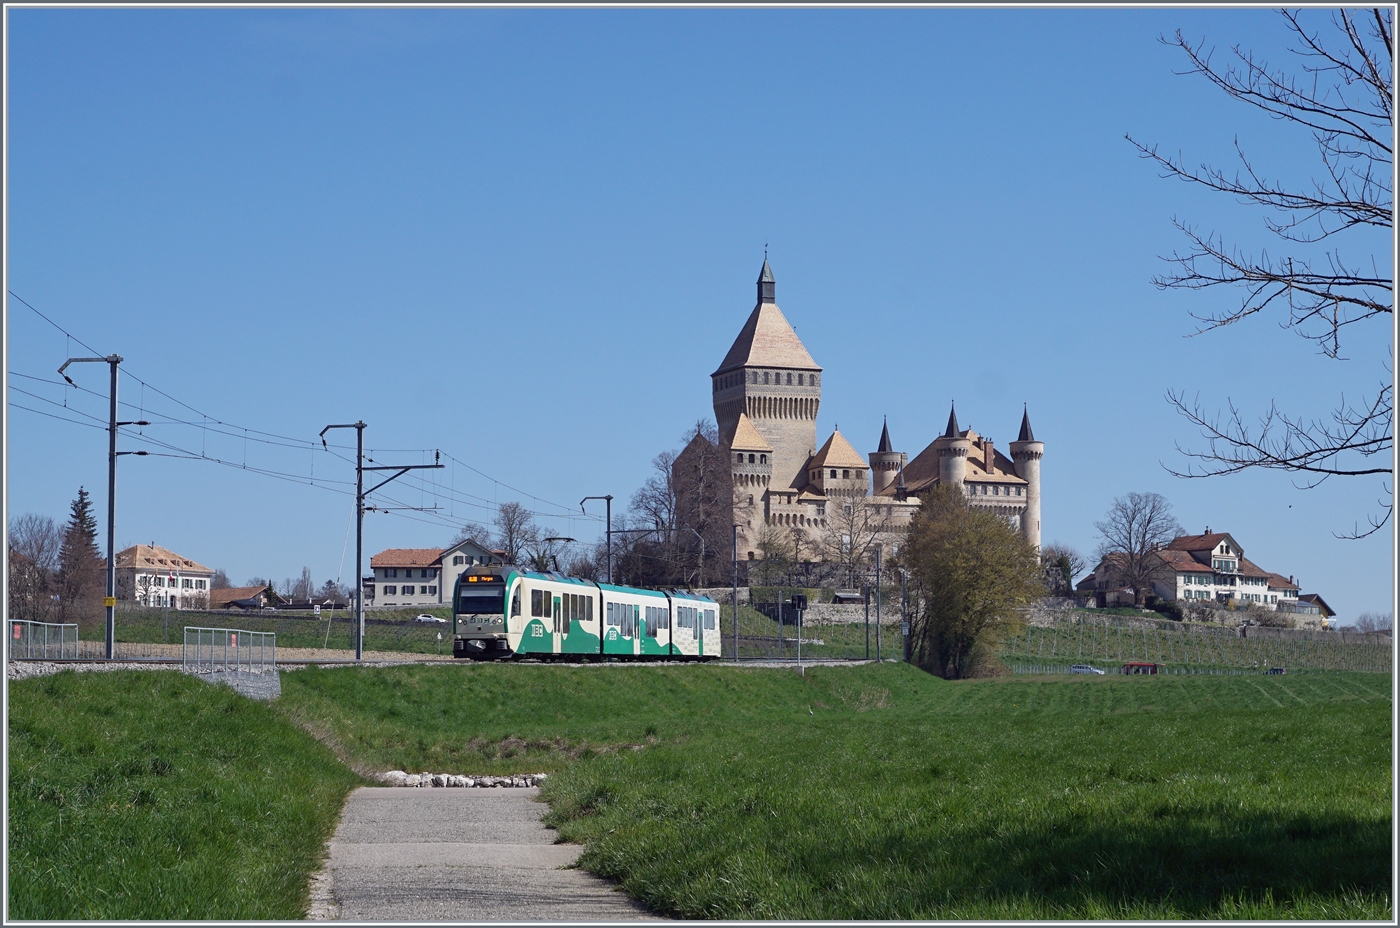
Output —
<point x="45" y="641"/>
<point x="1109" y="641"/>
<point x="232" y="650"/>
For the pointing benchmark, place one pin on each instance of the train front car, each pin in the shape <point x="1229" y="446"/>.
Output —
<point x="479" y="628"/>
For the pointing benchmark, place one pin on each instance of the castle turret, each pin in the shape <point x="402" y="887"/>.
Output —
<point x="1027" y="452"/>
<point x="886" y="463"/>
<point x="952" y="448"/>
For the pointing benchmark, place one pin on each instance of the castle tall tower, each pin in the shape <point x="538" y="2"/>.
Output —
<point x="886" y="463"/>
<point x="769" y="378"/>
<point x="1027" y="452"/>
<point x="952" y="448"/>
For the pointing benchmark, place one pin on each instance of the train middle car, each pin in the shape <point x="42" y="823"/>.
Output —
<point x="513" y="613"/>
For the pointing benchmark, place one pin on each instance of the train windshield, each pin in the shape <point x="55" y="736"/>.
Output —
<point x="482" y="598"/>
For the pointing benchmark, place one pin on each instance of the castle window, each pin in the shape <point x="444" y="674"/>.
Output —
<point x="833" y="474"/>
<point x="738" y="459"/>
<point x="763" y="459"/>
<point x="845" y="475"/>
<point x="799" y="380"/>
<point x="789" y="379"/>
<point x="750" y="555"/>
<point x="765" y="376"/>
<point x="750" y="459"/>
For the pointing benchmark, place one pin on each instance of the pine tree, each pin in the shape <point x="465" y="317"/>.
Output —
<point x="80" y="564"/>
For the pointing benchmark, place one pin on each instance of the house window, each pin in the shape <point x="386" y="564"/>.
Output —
<point x="458" y="560"/>
<point x="392" y="572"/>
<point x="432" y="591"/>
<point x="408" y="591"/>
<point x="390" y="590"/>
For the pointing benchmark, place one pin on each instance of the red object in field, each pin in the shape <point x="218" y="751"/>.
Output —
<point x="1139" y="667"/>
<point x="16" y="631"/>
<point x="233" y="639"/>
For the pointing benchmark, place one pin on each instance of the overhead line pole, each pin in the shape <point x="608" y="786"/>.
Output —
<point x="109" y="602"/>
<point x="360" y="494"/>
<point x="609" y="533"/>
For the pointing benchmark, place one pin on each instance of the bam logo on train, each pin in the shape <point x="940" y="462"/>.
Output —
<point x="505" y="613"/>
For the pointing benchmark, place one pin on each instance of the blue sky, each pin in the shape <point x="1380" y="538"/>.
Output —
<point x="526" y="238"/>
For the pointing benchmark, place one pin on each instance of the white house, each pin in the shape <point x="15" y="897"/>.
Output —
<point x="421" y="576"/>
<point x="156" y="576"/>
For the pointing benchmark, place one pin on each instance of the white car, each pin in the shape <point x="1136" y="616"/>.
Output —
<point x="1084" y="668"/>
<point x="424" y="617"/>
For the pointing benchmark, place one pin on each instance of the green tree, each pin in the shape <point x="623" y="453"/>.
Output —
<point x="80" y="564"/>
<point x="972" y="574"/>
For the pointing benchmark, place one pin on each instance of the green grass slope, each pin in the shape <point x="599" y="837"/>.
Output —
<point x="879" y="792"/>
<point x="153" y="795"/>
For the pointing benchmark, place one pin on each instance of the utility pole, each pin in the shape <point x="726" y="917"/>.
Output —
<point x="736" y="592"/>
<point x="878" y="658"/>
<point x="904" y="611"/>
<point x="609" y="535"/>
<point x="109" y="602"/>
<point x="360" y="494"/>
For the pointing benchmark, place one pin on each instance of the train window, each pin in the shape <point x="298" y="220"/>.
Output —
<point x="537" y="604"/>
<point x="557" y="629"/>
<point x="588" y="609"/>
<point x="665" y="617"/>
<point x="515" y="603"/>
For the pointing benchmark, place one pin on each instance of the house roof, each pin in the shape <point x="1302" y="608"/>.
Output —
<point x="767" y="340"/>
<point x="1319" y="602"/>
<point x="233" y="593"/>
<point x="407" y="557"/>
<point x="156" y="558"/>
<point x="1280" y="582"/>
<point x="837" y="452"/>
<point x="746" y="437"/>
<point x="1206" y="542"/>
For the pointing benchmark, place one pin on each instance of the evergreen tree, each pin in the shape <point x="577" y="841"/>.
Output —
<point x="80" y="564"/>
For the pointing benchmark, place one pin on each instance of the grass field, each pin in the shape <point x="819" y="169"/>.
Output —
<point x="879" y="792"/>
<point x="153" y="795"/>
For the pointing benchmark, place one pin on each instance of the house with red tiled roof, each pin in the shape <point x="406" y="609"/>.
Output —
<point x="1210" y="569"/>
<point x="421" y="576"/>
<point x="156" y="576"/>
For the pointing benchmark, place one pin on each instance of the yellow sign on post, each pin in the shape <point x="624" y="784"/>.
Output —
<point x="109" y="601"/>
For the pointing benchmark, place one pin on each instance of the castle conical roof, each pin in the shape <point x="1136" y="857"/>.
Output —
<point x="837" y="452"/>
<point x="1026" y="433"/>
<point x="885" y="446"/>
<point x="766" y="277"/>
<point x="952" y="431"/>
<point x="767" y="340"/>
<point x="746" y="437"/>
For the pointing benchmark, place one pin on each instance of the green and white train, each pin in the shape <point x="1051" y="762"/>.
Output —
<point x="503" y="613"/>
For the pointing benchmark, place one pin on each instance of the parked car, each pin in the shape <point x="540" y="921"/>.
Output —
<point x="1276" y="670"/>
<point x="424" y="617"/>
<point x="1084" y="668"/>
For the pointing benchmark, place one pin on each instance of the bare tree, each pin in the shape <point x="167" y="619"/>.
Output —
<point x="1344" y="100"/>
<point x="704" y="493"/>
<point x="1374" y="622"/>
<point x="474" y="532"/>
<point x="855" y="525"/>
<point x="219" y="581"/>
<point x="515" y="531"/>
<point x="34" y="545"/>
<point x="1136" y="527"/>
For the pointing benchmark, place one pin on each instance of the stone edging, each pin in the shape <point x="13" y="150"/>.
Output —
<point x="400" y="778"/>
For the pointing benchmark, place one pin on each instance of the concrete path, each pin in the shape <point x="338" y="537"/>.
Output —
<point x="414" y="855"/>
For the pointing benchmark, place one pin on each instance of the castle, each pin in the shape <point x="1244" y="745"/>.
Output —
<point x="767" y="392"/>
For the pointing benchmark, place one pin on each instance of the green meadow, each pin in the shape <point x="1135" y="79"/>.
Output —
<point x="867" y="792"/>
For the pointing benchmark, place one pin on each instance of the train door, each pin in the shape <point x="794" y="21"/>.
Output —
<point x="579" y="637"/>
